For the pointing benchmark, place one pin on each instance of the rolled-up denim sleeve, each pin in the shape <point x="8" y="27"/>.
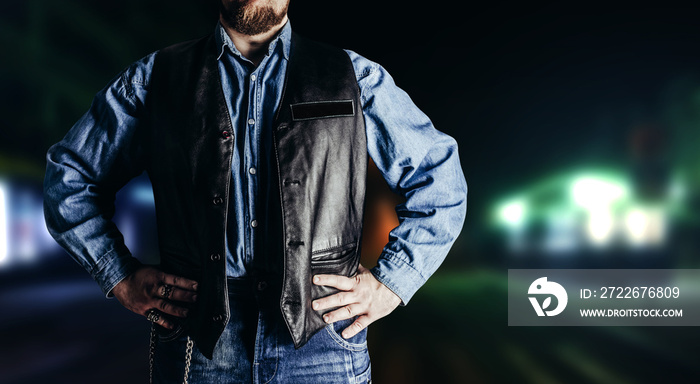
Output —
<point x="99" y="154"/>
<point x="419" y="163"/>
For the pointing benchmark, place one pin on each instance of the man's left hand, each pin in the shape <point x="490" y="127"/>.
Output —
<point x="361" y="295"/>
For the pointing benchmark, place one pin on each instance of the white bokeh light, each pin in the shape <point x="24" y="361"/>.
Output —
<point x="4" y="238"/>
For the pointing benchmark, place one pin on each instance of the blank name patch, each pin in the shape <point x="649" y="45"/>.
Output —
<point x="322" y="109"/>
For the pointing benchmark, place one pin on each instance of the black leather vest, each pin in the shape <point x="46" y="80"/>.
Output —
<point x="320" y="156"/>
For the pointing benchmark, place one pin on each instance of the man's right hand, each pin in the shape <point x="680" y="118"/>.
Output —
<point x="147" y="289"/>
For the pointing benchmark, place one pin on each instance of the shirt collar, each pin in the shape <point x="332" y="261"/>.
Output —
<point x="224" y="41"/>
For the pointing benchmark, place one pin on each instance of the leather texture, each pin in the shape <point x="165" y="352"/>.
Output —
<point x="321" y="162"/>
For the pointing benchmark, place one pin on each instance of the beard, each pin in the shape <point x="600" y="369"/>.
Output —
<point x="250" y="19"/>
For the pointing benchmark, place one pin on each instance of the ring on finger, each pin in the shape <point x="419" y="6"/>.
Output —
<point x="153" y="316"/>
<point x="166" y="290"/>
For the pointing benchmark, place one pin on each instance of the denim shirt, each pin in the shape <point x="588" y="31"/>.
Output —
<point x="418" y="162"/>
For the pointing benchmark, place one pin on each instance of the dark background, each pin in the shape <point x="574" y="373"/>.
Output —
<point x="533" y="93"/>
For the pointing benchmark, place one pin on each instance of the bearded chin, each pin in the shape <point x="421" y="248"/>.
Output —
<point x="249" y="19"/>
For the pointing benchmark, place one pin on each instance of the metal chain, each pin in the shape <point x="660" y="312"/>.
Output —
<point x="188" y="359"/>
<point x="151" y="353"/>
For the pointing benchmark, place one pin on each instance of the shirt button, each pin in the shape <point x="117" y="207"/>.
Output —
<point x="215" y="257"/>
<point x="252" y="77"/>
<point x="225" y="134"/>
<point x="251" y="121"/>
<point x="252" y="170"/>
<point x="218" y="200"/>
<point x="254" y="223"/>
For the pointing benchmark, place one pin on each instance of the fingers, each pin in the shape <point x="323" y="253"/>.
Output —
<point x="336" y="300"/>
<point x="175" y="288"/>
<point x="156" y="295"/>
<point x="346" y="312"/>
<point x="162" y="310"/>
<point x="166" y="323"/>
<point x="351" y="300"/>
<point x="341" y="282"/>
<point x="358" y="325"/>
<point x="168" y="292"/>
<point x="157" y="317"/>
<point x="178" y="281"/>
<point x="183" y="295"/>
<point x="170" y="308"/>
<point x="361" y="296"/>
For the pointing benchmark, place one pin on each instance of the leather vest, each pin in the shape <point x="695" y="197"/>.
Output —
<point x="320" y="157"/>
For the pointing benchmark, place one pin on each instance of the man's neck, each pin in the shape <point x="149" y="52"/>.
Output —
<point x="253" y="47"/>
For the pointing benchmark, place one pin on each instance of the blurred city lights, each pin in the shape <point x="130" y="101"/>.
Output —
<point x="600" y="226"/>
<point x="636" y="223"/>
<point x="593" y="209"/>
<point x="646" y="226"/>
<point x="24" y="239"/>
<point x="513" y="212"/>
<point x="562" y="234"/>
<point x="597" y="193"/>
<point x="3" y="227"/>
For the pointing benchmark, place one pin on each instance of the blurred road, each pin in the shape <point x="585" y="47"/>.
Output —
<point x="57" y="327"/>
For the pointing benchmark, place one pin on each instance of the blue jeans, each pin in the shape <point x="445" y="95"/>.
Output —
<point x="256" y="347"/>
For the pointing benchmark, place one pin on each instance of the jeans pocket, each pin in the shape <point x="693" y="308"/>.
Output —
<point x="166" y="335"/>
<point x="365" y="377"/>
<point x="356" y="343"/>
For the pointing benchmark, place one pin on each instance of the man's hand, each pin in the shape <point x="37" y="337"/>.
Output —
<point x="149" y="288"/>
<point x="362" y="296"/>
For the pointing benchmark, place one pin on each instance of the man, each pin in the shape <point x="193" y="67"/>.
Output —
<point x="256" y="142"/>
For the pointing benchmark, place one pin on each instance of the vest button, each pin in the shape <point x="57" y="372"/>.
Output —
<point x="217" y="318"/>
<point x="225" y="134"/>
<point x="262" y="285"/>
<point x="218" y="200"/>
<point x="215" y="257"/>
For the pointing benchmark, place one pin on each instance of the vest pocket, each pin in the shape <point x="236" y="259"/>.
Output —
<point x="340" y="260"/>
<point x="335" y="256"/>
